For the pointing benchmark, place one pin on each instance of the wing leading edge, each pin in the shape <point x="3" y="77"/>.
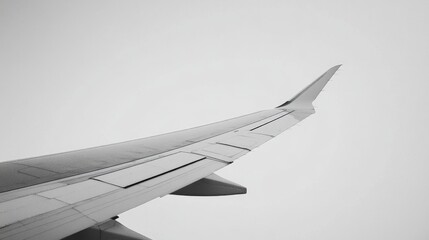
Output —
<point x="123" y="176"/>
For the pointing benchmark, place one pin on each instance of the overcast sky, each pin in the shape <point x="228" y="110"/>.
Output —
<point x="76" y="74"/>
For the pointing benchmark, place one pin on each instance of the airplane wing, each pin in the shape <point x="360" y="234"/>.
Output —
<point x="78" y="194"/>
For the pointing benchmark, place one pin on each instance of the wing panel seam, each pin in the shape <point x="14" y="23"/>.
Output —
<point x="271" y="121"/>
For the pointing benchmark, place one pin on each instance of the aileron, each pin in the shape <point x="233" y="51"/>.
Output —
<point x="26" y="207"/>
<point x="77" y="192"/>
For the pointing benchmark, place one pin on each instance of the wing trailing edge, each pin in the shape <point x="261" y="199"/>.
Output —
<point x="304" y="99"/>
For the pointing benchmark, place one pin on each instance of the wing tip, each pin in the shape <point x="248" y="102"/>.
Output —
<point x="337" y="66"/>
<point x="305" y="98"/>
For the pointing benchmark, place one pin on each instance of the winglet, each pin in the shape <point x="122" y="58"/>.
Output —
<point x="304" y="99"/>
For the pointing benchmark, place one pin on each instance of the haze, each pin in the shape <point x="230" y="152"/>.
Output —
<point x="76" y="74"/>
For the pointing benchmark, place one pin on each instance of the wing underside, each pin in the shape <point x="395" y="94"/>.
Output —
<point x="55" y="196"/>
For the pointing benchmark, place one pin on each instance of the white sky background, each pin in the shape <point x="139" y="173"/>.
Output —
<point x="76" y="74"/>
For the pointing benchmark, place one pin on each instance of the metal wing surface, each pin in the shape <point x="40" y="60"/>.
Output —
<point x="55" y="196"/>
